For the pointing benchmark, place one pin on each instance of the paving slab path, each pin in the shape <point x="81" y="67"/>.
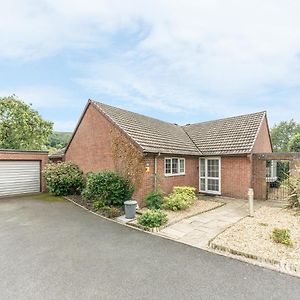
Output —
<point x="198" y="230"/>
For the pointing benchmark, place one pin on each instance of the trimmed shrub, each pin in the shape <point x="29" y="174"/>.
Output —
<point x="153" y="218"/>
<point x="180" y="198"/>
<point x="282" y="236"/>
<point x="64" y="178"/>
<point x="108" y="187"/>
<point x="154" y="199"/>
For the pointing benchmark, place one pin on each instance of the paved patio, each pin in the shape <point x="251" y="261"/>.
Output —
<point x="199" y="230"/>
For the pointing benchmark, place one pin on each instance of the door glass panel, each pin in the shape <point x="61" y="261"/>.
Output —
<point x="202" y="184"/>
<point x="213" y="168"/>
<point x="213" y="185"/>
<point x="202" y="167"/>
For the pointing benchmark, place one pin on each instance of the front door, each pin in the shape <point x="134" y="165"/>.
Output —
<point x="210" y="175"/>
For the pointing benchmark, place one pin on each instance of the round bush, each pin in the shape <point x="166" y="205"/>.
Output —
<point x="181" y="198"/>
<point x="108" y="187"/>
<point x="64" y="178"/>
<point x="153" y="218"/>
<point x="154" y="199"/>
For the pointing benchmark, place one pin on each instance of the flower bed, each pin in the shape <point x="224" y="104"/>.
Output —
<point x="251" y="238"/>
<point x="112" y="212"/>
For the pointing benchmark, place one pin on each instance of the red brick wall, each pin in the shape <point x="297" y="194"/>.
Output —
<point x="191" y="177"/>
<point x="235" y="176"/>
<point x="91" y="146"/>
<point x="27" y="155"/>
<point x="258" y="171"/>
<point x="93" y="149"/>
<point x="263" y="142"/>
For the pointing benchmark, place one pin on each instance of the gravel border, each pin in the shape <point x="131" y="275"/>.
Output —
<point x="250" y="238"/>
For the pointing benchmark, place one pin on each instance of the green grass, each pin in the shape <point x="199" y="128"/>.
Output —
<point x="43" y="196"/>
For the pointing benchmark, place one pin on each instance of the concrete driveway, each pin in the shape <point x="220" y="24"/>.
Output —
<point x="56" y="250"/>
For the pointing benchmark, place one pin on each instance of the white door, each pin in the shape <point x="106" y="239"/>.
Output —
<point x="19" y="177"/>
<point x="210" y="175"/>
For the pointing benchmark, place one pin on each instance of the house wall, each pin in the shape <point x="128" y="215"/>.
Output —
<point x="99" y="145"/>
<point x="235" y="176"/>
<point x="258" y="172"/>
<point x="263" y="141"/>
<point x="41" y="156"/>
<point x="191" y="177"/>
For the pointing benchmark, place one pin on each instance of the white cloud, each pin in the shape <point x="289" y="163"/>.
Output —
<point x="41" y="96"/>
<point x="221" y="57"/>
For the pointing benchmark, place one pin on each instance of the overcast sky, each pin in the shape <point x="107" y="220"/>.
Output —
<point x="180" y="61"/>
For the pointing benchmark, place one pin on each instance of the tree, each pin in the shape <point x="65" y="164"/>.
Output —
<point x="294" y="143"/>
<point x="21" y="127"/>
<point x="282" y="133"/>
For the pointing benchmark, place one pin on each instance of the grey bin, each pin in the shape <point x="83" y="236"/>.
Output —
<point x="130" y="209"/>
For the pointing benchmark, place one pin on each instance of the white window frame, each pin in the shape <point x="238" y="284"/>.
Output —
<point x="206" y="177"/>
<point x="175" y="174"/>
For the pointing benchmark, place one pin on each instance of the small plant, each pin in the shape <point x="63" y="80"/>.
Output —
<point x="97" y="205"/>
<point x="64" y="178"/>
<point x="153" y="218"/>
<point x="180" y="198"/>
<point x="110" y="212"/>
<point x="263" y="224"/>
<point x="109" y="187"/>
<point x="154" y="199"/>
<point x="282" y="236"/>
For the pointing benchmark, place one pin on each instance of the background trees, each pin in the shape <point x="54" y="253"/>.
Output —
<point x="21" y="127"/>
<point x="286" y="136"/>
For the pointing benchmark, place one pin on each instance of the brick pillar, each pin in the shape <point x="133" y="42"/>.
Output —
<point x="259" y="183"/>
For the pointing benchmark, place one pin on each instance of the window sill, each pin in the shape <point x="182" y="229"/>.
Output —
<point x="172" y="175"/>
<point x="210" y="193"/>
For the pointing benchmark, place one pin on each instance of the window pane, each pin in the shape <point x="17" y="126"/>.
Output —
<point x="202" y="184"/>
<point x="168" y="166"/>
<point x="175" y="166"/>
<point x="202" y="167"/>
<point x="181" y="165"/>
<point x="213" y="185"/>
<point x="213" y="168"/>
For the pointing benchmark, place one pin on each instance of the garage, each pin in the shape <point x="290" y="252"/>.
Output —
<point x="19" y="177"/>
<point x="20" y="172"/>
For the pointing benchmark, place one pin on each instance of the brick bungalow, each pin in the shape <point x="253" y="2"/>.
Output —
<point x="215" y="157"/>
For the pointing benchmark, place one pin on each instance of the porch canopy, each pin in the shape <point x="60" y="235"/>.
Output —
<point x="277" y="156"/>
<point x="259" y="169"/>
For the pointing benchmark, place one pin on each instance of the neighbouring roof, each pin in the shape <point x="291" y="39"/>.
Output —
<point x="58" y="154"/>
<point x="235" y="135"/>
<point x="151" y="134"/>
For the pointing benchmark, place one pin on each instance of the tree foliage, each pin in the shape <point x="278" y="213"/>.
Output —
<point x="282" y="133"/>
<point x="21" y="127"/>
<point x="59" y="140"/>
<point x="294" y="143"/>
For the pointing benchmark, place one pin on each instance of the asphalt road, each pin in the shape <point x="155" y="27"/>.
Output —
<point x="56" y="250"/>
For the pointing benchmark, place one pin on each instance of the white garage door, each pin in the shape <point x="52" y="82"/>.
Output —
<point x="19" y="177"/>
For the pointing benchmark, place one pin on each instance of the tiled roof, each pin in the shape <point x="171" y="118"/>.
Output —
<point x="59" y="153"/>
<point x="235" y="135"/>
<point x="151" y="134"/>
